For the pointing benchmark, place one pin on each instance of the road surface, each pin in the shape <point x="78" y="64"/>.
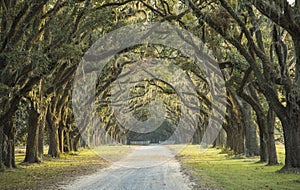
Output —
<point x="146" y="168"/>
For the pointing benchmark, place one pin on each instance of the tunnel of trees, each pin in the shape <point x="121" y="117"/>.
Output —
<point x="256" y="44"/>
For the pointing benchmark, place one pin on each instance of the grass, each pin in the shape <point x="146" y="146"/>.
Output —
<point x="213" y="169"/>
<point x="53" y="172"/>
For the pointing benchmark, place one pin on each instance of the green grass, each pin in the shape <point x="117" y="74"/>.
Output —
<point x="216" y="170"/>
<point x="210" y="169"/>
<point x="52" y="171"/>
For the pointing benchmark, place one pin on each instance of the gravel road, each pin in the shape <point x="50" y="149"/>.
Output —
<point x="146" y="168"/>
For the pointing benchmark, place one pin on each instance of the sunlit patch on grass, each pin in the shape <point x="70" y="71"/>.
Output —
<point x="52" y="171"/>
<point x="214" y="169"/>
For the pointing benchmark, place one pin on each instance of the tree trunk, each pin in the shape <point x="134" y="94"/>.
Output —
<point x="229" y="139"/>
<point x="68" y="147"/>
<point x="54" y="150"/>
<point x="236" y="125"/>
<point x="76" y="142"/>
<point x="1" y="148"/>
<point x="61" y="137"/>
<point x="252" y="98"/>
<point x="53" y="135"/>
<point x="32" y="138"/>
<point x="239" y="144"/>
<point x="197" y="136"/>
<point x="291" y="127"/>
<point x="291" y="130"/>
<point x="272" y="155"/>
<point x="295" y="145"/>
<point x="239" y="139"/>
<point x="220" y="140"/>
<point x="235" y="139"/>
<point x="42" y="124"/>
<point x="263" y="152"/>
<point x="41" y="140"/>
<point x="9" y="145"/>
<point x="250" y="132"/>
<point x="9" y="161"/>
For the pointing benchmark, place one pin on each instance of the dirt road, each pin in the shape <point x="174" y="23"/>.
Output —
<point x="146" y="168"/>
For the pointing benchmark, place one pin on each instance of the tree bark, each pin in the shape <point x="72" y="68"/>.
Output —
<point x="1" y="148"/>
<point x="239" y="141"/>
<point x="41" y="138"/>
<point x="68" y="147"/>
<point x="32" y="138"/>
<point x="250" y="132"/>
<point x="54" y="150"/>
<point x="197" y="137"/>
<point x="220" y="140"/>
<point x="235" y="137"/>
<point x="76" y="142"/>
<point x="272" y="154"/>
<point x="61" y="137"/>
<point x="9" y="145"/>
<point x="291" y="127"/>
<point x="42" y="122"/>
<point x="236" y="124"/>
<point x="263" y="152"/>
<point x="291" y="131"/>
<point x="251" y="97"/>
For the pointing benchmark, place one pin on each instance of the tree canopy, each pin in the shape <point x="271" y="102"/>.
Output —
<point x="255" y="44"/>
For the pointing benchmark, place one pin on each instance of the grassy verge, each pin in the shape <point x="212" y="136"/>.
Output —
<point x="215" y="170"/>
<point x="53" y="172"/>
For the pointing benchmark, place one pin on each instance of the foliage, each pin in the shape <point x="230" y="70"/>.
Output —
<point x="41" y="44"/>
